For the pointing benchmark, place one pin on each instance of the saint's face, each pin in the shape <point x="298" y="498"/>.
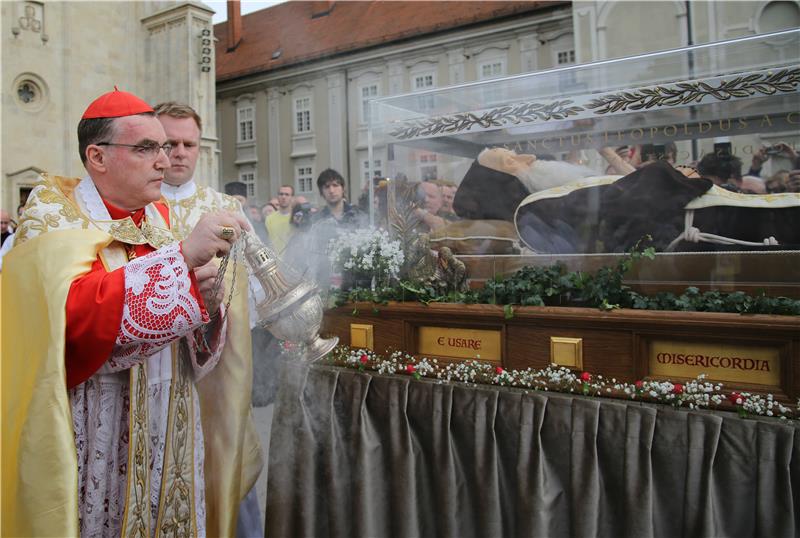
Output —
<point x="184" y="136"/>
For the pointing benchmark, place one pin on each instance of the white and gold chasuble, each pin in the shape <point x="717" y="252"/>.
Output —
<point x="233" y="449"/>
<point x="135" y="466"/>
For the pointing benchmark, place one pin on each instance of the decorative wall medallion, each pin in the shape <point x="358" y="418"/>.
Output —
<point x="29" y="20"/>
<point x="29" y="17"/>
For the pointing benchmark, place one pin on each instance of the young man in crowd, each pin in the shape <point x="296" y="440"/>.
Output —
<point x="278" y="224"/>
<point x="335" y="217"/>
<point x="331" y="187"/>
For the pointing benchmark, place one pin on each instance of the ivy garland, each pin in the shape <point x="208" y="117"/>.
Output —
<point x="554" y="285"/>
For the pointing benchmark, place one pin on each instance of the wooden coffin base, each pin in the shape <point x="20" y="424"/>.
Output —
<point x="756" y="353"/>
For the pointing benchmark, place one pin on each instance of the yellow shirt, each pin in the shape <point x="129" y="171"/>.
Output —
<point x="279" y="230"/>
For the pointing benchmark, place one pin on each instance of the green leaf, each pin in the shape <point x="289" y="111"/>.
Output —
<point x="508" y="311"/>
<point x="605" y="305"/>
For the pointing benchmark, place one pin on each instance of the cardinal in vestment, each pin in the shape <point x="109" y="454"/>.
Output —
<point x="103" y="433"/>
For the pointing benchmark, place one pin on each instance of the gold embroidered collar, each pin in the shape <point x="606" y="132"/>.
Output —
<point x="153" y="231"/>
<point x="125" y="231"/>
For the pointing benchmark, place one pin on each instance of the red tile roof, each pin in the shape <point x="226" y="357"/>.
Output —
<point x="349" y="26"/>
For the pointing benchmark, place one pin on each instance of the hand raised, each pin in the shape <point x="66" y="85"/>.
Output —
<point x="213" y="235"/>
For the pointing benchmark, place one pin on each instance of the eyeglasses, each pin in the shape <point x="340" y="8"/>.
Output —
<point x="149" y="151"/>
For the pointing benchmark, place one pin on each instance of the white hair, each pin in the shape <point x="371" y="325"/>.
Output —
<point x="548" y="174"/>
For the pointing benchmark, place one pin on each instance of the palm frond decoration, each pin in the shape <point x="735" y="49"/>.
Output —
<point x="405" y="225"/>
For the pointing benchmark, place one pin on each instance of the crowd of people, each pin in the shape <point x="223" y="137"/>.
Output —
<point x="721" y="166"/>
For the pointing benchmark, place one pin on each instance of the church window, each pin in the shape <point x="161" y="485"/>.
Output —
<point x="26" y="92"/>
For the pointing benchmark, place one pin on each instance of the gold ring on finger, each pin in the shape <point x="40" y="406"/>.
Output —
<point x="226" y="233"/>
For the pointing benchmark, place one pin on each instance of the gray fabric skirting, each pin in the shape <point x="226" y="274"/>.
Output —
<point x="363" y="455"/>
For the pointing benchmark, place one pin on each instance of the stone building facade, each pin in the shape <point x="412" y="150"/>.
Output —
<point x="58" y="56"/>
<point x="292" y="93"/>
<point x="285" y="125"/>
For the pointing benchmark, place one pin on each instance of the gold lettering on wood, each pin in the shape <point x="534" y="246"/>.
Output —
<point x="758" y="365"/>
<point x="460" y="343"/>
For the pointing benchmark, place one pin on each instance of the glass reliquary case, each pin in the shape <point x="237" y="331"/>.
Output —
<point x="691" y="150"/>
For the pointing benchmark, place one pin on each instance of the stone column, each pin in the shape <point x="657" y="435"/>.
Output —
<point x="274" y="138"/>
<point x="584" y="24"/>
<point x="337" y="110"/>
<point x="397" y="73"/>
<point x="179" y="66"/>
<point x="455" y="62"/>
<point x="529" y="53"/>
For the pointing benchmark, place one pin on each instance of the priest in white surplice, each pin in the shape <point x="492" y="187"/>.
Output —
<point x="188" y="203"/>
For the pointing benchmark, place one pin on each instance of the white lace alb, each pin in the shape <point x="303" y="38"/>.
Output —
<point x="158" y="305"/>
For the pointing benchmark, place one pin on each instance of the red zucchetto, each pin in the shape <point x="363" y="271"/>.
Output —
<point x="116" y="104"/>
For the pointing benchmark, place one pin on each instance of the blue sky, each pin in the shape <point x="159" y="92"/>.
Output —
<point x="248" y="6"/>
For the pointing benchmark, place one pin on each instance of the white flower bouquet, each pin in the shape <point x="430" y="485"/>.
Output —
<point x="366" y="255"/>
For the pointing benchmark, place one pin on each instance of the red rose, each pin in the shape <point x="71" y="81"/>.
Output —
<point x="364" y="359"/>
<point x="639" y="384"/>
<point x="585" y="376"/>
<point x="678" y="388"/>
<point x="499" y="370"/>
<point x="410" y="368"/>
<point x="733" y="396"/>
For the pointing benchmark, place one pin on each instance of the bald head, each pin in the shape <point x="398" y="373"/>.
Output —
<point x="433" y="196"/>
<point x="753" y="184"/>
<point x="5" y="221"/>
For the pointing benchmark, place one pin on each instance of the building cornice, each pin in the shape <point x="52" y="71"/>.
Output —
<point x="176" y="11"/>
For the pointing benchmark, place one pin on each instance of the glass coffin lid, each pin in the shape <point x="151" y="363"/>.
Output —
<point x="692" y="148"/>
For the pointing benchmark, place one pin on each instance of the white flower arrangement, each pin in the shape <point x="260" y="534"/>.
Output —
<point x="367" y="252"/>
<point x="694" y="394"/>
